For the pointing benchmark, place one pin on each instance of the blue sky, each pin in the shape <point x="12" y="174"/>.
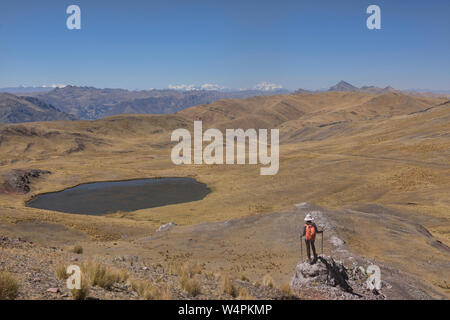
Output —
<point x="236" y="44"/>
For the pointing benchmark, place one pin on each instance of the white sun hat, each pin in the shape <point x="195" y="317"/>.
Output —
<point x="309" y="217"/>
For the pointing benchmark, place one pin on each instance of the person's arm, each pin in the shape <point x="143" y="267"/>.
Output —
<point x="317" y="229"/>
<point x="304" y="231"/>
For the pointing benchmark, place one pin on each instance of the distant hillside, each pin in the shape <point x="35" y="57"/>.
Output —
<point x="160" y="105"/>
<point x="93" y="103"/>
<point x="15" y="109"/>
<point x="297" y="111"/>
<point x="88" y="102"/>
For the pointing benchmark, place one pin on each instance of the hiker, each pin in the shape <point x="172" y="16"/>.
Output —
<point x="309" y="232"/>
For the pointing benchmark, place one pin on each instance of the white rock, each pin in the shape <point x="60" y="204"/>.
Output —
<point x="166" y="226"/>
<point x="301" y="205"/>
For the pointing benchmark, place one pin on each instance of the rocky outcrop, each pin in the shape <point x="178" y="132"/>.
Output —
<point x="18" y="181"/>
<point x="333" y="280"/>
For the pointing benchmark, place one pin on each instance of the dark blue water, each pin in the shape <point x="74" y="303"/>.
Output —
<point x="107" y="197"/>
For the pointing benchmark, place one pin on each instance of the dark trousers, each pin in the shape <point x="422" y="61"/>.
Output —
<point x="309" y="245"/>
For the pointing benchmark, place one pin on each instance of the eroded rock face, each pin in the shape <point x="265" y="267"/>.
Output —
<point x="18" y="181"/>
<point x="325" y="271"/>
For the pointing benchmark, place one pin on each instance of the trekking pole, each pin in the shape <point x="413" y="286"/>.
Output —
<point x="301" y="247"/>
<point x="322" y="243"/>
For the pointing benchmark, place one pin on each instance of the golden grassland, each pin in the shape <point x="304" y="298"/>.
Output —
<point x="336" y="150"/>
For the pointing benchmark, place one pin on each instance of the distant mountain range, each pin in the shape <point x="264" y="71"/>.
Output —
<point x="92" y="103"/>
<point x="89" y="103"/>
<point x="15" y="109"/>
<point x="23" y="89"/>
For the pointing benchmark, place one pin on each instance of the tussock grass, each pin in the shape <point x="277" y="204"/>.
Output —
<point x="286" y="290"/>
<point x="209" y="275"/>
<point x="103" y="276"/>
<point x="82" y="293"/>
<point x="244" y="294"/>
<point x="268" y="281"/>
<point x="244" y="278"/>
<point x="146" y="290"/>
<point x="61" y="272"/>
<point x="228" y="287"/>
<point x="190" y="285"/>
<point x="191" y="269"/>
<point x="174" y="268"/>
<point x="9" y="288"/>
<point x="166" y="294"/>
<point x="188" y="279"/>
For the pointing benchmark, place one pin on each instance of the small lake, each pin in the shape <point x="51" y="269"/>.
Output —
<point x="98" y="198"/>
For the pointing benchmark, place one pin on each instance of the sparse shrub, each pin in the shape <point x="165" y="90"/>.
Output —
<point x="166" y="294"/>
<point x="9" y="289"/>
<point x="102" y="276"/>
<point x="196" y="269"/>
<point x="137" y="286"/>
<point x="122" y="275"/>
<point x="61" y="272"/>
<point x="188" y="279"/>
<point x="268" y="281"/>
<point x="244" y="278"/>
<point x="191" y="269"/>
<point x="183" y="280"/>
<point x="209" y="275"/>
<point x="286" y="289"/>
<point x="174" y="268"/>
<point x="244" y="294"/>
<point x="77" y="249"/>
<point x="146" y="290"/>
<point x="81" y="294"/>
<point x="190" y="285"/>
<point x="228" y="287"/>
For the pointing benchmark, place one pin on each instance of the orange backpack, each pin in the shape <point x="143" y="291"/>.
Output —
<point x="310" y="232"/>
